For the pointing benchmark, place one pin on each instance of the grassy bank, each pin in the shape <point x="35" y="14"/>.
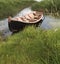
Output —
<point x="48" y="6"/>
<point x="31" y="46"/>
<point x="12" y="7"/>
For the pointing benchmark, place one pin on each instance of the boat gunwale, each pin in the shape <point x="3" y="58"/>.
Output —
<point x="28" y="22"/>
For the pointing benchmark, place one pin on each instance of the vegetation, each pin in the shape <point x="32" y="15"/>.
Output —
<point x="48" y="6"/>
<point x="31" y="46"/>
<point x="12" y="7"/>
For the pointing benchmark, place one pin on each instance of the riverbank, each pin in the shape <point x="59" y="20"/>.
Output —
<point x="31" y="46"/>
<point x="12" y="7"/>
<point x="49" y="7"/>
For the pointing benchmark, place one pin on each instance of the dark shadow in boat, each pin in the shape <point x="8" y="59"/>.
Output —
<point x="16" y="26"/>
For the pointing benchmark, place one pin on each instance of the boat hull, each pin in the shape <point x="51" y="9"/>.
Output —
<point x="16" y="26"/>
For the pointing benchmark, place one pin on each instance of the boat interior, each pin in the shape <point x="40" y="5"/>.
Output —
<point x="31" y="17"/>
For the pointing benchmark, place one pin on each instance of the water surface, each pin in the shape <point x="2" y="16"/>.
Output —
<point x="50" y="22"/>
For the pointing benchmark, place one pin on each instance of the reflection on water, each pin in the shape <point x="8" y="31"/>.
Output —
<point x="48" y="23"/>
<point x="24" y="12"/>
<point x="38" y="0"/>
<point x="4" y="27"/>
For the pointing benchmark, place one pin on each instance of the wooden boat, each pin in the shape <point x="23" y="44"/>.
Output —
<point x="18" y="24"/>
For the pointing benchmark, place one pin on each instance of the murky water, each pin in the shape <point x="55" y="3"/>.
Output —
<point x="48" y="23"/>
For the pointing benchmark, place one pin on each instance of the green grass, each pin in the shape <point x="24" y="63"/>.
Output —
<point x="48" y="6"/>
<point x="12" y="7"/>
<point x="31" y="46"/>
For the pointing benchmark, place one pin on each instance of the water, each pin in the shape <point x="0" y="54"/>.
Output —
<point x="24" y="12"/>
<point x="4" y="27"/>
<point x="48" y="23"/>
<point x="38" y="0"/>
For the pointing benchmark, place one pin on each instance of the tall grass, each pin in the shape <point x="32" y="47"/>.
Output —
<point x="12" y="7"/>
<point x="31" y="46"/>
<point x="48" y="6"/>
